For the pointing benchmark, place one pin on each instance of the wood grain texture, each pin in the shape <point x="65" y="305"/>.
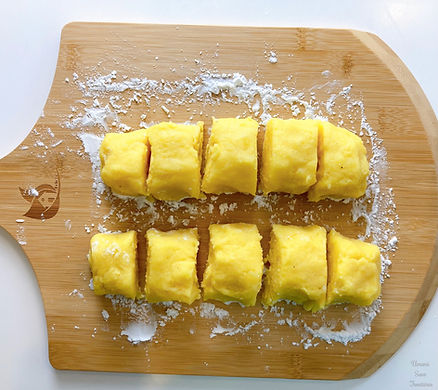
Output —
<point x="396" y="108"/>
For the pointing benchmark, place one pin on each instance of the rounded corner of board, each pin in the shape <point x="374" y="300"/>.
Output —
<point x="365" y="33"/>
<point x="53" y="362"/>
<point x="68" y="27"/>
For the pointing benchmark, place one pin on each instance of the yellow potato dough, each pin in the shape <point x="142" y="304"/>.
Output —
<point x="124" y="158"/>
<point x="235" y="264"/>
<point x="175" y="166"/>
<point x="290" y="156"/>
<point x="298" y="266"/>
<point x="353" y="270"/>
<point x="231" y="161"/>
<point x="171" y="266"/>
<point x="343" y="166"/>
<point x="113" y="262"/>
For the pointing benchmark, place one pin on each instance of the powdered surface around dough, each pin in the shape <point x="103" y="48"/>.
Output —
<point x="108" y="101"/>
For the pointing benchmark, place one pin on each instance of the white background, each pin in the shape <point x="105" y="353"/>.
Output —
<point x="30" y="33"/>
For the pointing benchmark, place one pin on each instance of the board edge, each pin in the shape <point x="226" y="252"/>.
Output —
<point x="430" y="284"/>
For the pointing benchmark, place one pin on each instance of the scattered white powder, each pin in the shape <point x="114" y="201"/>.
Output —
<point x="233" y="330"/>
<point x="392" y="243"/>
<point x="140" y="320"/>
<point x="21" y="238"/>
<point x="67" y="224"/>
<point x="173" y="313"/>
<point x="32" y="191"/>
<point x="308" y="343"/>
<point x="230" y="328"/>
<point x="93" y="116"/>
<point x="352" y="331"/>
<point x="382" y="218"/>
<point x="225" y="207"/>
<point x="77" y="293"/>
<point x="91" y="143"/>
<point x="273" y="57"/>
<point x="207" y="88"/>
<point x="376" y="209"/>
<point x="261" y="202"/>
<point x="105" y="315"/>
<point x="165" y="109"/>
<point x="102" y="229"/>
<point x="209" y="310"/>
<point x="57" y="143"/>
<point x="219" y="329"/>
<point x="138" y="332"/>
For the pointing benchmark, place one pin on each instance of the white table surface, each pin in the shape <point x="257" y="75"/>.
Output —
<point x="30" y="33"/>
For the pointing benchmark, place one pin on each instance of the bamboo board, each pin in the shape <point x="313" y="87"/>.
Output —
<point x="396" y="108"/>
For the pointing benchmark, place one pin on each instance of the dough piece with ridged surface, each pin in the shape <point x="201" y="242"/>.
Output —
<point x="231" y="159"/>
<point x="298" y="266"/>
<point x="354" y="270"/>
<point x="113" y="262"/>
<point x="235" y="264"/>
<point x="342" y="164"/>
<point x="175" y="165"/>
<point x="290" y="156"/>
<point x="124" y="158"/>
<point x="171" y="266"/>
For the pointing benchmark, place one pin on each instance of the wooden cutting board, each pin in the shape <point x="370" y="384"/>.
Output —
<point x="57" y="244"/>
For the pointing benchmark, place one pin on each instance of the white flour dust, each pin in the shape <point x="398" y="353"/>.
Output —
<point x="141" y="320"/>
<point x="350" y="332"/>
<point x="108" y="98"/>
<point x="138" y="331"/>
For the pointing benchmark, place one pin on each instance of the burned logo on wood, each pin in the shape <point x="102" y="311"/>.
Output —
<point x="44" y="200"/>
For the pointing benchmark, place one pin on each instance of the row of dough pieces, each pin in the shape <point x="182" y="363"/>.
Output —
<point x="306" y="266"/>
<point x="165" y="160"/>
